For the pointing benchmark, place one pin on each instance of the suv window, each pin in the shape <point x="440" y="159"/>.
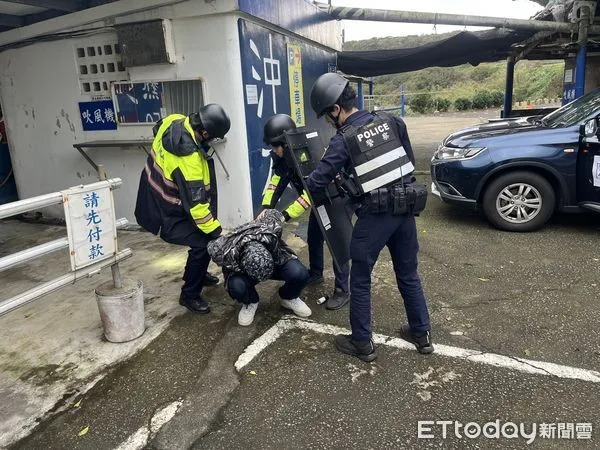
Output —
<point x="573" y="113"/>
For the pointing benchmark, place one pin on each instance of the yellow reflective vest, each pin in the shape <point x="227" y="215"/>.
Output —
<point x="282" y="176"/>
<point x="180" y="178"/>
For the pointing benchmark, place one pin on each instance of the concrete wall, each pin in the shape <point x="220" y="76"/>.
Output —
<point x="592" y="73"/>
<point x="40" y="91"/>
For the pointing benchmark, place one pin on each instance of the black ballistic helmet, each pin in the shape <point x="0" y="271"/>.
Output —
<point x="275" y="127"/>
<point x="326" y="91"/>
<point x="213" y="119"/>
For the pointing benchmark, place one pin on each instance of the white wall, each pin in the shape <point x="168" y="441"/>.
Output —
<point x="39" y="91"/>
<point x="208" y="48"/>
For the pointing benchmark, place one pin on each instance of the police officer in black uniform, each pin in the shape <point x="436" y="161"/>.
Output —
<point x="283" y="175"/>
<point x="376" y="150"/>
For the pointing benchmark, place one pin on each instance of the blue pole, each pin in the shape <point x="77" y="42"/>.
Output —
<point x="371" y="86"/>
<point x="508" y="91"/>
<point x="360" y="95"/>
<point x="402" y="99"/>
<point x="580" y="71"/>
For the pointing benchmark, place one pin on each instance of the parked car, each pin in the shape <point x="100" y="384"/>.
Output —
<point x="521" y="171"/>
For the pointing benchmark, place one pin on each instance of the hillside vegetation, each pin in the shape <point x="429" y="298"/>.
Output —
<point x="477" y="87"/>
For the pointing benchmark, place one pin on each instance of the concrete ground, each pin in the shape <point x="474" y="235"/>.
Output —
<point x="524" y="296"/>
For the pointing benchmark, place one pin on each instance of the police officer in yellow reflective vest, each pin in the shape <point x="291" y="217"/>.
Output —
<point x="282" y="175"/>
<point x="177" y="195"/>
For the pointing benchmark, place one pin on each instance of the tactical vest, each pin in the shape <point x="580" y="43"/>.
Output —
<point x="377" y="155"/>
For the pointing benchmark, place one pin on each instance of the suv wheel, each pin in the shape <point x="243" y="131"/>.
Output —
<point x="519" y="201"/>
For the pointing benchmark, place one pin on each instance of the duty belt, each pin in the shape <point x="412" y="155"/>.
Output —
<point x="401" y="197"/>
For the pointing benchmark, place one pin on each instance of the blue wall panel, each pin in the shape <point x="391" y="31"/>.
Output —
<point x="300" y="16"/>
<point x="266" y="88"/>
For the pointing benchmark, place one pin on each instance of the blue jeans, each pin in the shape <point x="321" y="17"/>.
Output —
<point x="315" y="242"/>
<point x="371" y="233"/>
<point x="243" y="288"/>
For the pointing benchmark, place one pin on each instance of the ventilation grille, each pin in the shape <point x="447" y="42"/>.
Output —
<point x="183" y="97"/>
<point x="98" y="66"/>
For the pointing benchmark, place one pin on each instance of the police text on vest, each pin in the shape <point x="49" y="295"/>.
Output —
<point x="373" y="132"/>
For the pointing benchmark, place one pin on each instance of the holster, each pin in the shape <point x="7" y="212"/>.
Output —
<point x="417" y="197"/>
<point x="347" y="186"/>
<point x="399" y="200"/>
<point x="379" y="200"/>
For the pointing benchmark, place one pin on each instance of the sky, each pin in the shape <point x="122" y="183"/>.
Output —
<point x="358" y="29"/>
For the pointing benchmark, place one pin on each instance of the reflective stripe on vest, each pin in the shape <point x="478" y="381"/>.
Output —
<point x="160" y="190"/>
<point x="378" y="157"/>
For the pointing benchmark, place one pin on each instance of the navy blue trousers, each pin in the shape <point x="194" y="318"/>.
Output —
<point x="371" y="233"/>
<point x="195" y="271"/>
<point x="185" y="232"/>
<point x="315" y="242"/>
<point x="243" y="288"/>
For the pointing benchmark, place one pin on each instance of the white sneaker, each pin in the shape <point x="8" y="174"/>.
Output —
<point x="300" y="308"/>
<point x="246" y="315"/>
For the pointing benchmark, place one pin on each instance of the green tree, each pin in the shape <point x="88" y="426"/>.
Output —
<point x="442" y="104"/>
<point x="421" y="103"/>
<point x="482" y="100"/>
<point x="497" y="98"/>
<point x="462" y="104"/>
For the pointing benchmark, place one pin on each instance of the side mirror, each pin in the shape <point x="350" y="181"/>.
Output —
<point x="591" y="128"/>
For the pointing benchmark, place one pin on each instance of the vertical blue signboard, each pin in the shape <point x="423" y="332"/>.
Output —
<point x="299" y="16"/>
<point x="267" y="92"/>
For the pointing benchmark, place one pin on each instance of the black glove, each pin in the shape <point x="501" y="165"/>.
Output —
<point x="319" y="197"/>
<point x="286" y="215"/>
<point x="215" y="233"/>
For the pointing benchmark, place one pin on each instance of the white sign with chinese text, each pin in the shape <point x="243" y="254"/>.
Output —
<point x="568" y="75"/>
<point x="91" y="225"/>
<point x="251" y="94"/>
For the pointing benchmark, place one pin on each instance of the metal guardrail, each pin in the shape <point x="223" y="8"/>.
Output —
<point x="25" y="256"/>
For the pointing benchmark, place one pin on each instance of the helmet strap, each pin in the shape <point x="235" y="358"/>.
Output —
<point x="335" y="120"/>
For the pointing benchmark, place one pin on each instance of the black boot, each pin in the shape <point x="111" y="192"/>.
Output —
<point x="337" y="300"/>
<point x="197" y="305"/>
<point x="421" y="340"/>
<point x="210" y="280"/>
<point x="363" y="350"/>
<point x="314" y="278"/>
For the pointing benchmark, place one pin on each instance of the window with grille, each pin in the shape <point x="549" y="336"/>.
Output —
<point x="149" y="101"/>
<point x="183" y="97"/>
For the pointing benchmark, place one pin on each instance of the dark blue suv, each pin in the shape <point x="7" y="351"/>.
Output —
<point x="520" y="171"/>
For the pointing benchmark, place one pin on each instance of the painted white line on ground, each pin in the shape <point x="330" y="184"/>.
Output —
<point x="163" y="416"/>
<point x="140" y="438"/>
<point x="512" y="363"/>
<point x="136" y="441"/>
<point x="259" y="344"/>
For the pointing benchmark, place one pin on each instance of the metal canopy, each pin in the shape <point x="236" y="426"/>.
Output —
<point x="19" y="13"/>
